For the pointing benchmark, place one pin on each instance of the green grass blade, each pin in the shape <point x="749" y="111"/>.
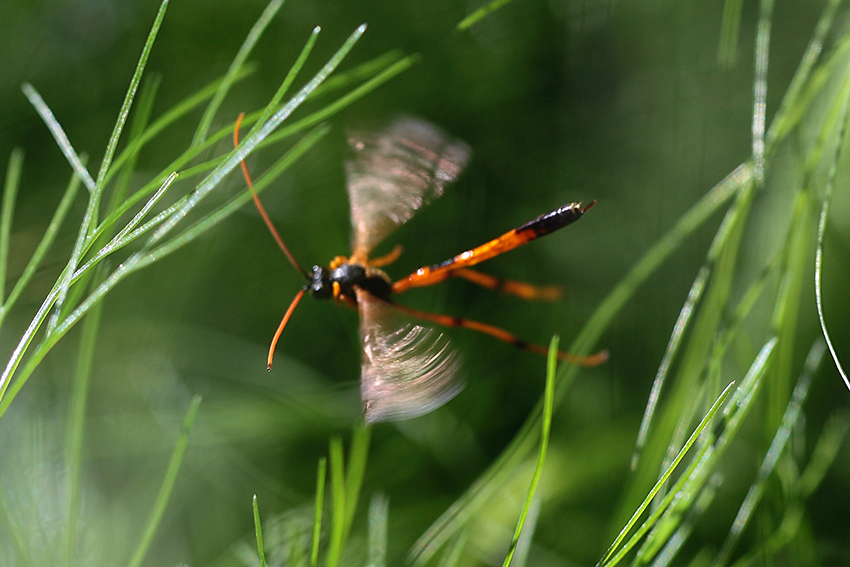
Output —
<point x="10" y="192"/>
<point x="610" y="559"/>
<point x="248" y="145"/>
<point x="289" y="79"/>
<point x="781" y="125"/>
<point x="165" y="489"/>
<point x="481" y="13"/>
<point x="379" y="507"/>
<point x="821" y="232"/>
<point x="682" y="322"/>
<point x="346" y="100"/>
<point x="59" y="135"/>
<point x="361" y="72"/>
<point x="160" y="124"/>
<point x="76" y="423"/>
<point x="317" y="511"/>
<point x="337" y="466"/>
<point x="730" y="28"/>
<point x="141" y="118"/>
<point x="112" y="144"/>
<point x="346" y="483"/>
<point x="777" y="446"/>
<point x="235" y="66"/>
<point x="762" y="56"/>
<point x="258" y="529"/>
<point x="545" y="429"/>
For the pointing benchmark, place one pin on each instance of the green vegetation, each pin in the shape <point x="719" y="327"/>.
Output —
<point x="138" y="424"/>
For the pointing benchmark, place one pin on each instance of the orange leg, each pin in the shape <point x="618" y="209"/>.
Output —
<point x="501" y="334"/>
<point x="387" y="258"/>
<point x="541" y="226"/>
<point x="513" y="287"/>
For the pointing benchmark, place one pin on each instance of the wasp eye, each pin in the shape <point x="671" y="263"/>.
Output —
<point x="320" y="284"/>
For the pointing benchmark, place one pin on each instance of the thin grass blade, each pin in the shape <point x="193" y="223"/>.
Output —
<point x="165" y="489"/>
<point x="258" y="530"/>
<point x="76" y="423"/>
<point x="59" y="135"/>
<point x="777" y="446"/>
<point x="317" y="511"/>
<point x="481" y="13"/>
<point x="545" y="429"/>
<point x="131" y="93"/>
<point x="10" y="192"/>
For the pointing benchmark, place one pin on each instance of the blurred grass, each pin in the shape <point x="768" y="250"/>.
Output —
<point x="560" y="104"/>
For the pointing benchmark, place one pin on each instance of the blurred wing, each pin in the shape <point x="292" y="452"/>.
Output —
<point x="394" y="173"/>
<point x="407" y="370"/>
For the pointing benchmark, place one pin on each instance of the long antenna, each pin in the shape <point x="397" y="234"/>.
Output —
<point x="283" y="323"/>
<point x="262" y="209"/>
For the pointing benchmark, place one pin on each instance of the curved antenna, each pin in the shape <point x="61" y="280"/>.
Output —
<point x="260" y="207"/>
<point x="283" y="323"/>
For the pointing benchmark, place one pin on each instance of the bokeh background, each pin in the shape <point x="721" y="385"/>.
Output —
<point x="561" y="100"/>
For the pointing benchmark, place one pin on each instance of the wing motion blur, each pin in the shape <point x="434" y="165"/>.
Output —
<point x="407" y="370"/>
<point x="394" y="173"/>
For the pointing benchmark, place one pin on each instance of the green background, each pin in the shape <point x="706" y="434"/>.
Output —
<point x="561" y="101"/>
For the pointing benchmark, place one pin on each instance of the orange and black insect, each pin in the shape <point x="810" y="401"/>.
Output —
<point x="410" y="369"/>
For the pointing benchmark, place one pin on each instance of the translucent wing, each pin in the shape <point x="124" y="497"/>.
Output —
<point x="407" y="370"/>
<point x="394" y="173"/>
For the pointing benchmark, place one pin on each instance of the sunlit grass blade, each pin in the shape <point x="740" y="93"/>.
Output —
<point x="545" y="430"/>
<point x="786" y="119"/>
<point x="616" y="552"/>
<point x="59" y="135"/>
<point x="170" y="117"/>
<point x="821" y="232"/>
<point x="250" y="142"/>
<point x="164" y="494"/>
<point x="762" y="56"/>
<point x="258" y="530"/>
<point x="245" y="49"/>
<point x="789" y="420"/>
<point x="141" y="118"/>
<point x="673" y="343"/>
<point x="127" y="104"/>
<point x="321" y="473"/>
<point x="10" y="192"/>
<point x="481" y="13"/>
